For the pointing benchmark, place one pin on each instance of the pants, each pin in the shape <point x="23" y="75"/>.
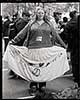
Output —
<point x="41" y="84"/>
<point x="6" y="40"/>
<point x="75" y="65"/>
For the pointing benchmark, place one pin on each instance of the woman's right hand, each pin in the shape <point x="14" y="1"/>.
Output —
<point x="66" y="46"/>
<point x="11" y="42"/>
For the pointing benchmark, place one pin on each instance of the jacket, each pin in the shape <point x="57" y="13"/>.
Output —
<point x="71" y="33"/>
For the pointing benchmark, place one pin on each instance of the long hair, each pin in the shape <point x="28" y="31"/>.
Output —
<point x="45" y="18"/>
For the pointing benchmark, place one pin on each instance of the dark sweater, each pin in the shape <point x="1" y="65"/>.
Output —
<point x="71" y="33"/>
<point x="35" y="36"/>
<point x="40" y="36"/>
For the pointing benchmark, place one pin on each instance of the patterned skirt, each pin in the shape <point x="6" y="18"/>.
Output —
<point x="40" y="65"/>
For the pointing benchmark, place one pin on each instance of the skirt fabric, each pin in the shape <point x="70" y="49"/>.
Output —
<point x="3" y="46"/>
<point x="39" y="65"/>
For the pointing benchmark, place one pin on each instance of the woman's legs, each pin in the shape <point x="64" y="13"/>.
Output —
<point x="33" y="84"/>
<point x="33" y="88"/>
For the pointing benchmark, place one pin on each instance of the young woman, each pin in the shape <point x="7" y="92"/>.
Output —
<point x="39" y="60"/>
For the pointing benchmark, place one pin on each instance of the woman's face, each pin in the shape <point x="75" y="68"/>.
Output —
<point x="40" y="14"/>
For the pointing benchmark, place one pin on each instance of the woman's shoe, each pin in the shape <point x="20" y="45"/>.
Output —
<point x="42" y="86"/>
<point x="42" y="89"/>
<point x="33" y="91"/>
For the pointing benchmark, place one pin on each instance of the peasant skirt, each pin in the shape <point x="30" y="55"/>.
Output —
<point x="39" y="65"/>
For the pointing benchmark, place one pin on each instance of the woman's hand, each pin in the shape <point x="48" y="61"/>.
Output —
<point x="66" y="46"/>
<point x="11" y="42"/>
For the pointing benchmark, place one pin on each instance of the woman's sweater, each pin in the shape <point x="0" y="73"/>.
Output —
<point x="35" y="36"/>
<point x="40" y="36"/>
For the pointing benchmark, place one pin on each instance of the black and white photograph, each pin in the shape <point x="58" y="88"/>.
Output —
<point x="40" y="50"/>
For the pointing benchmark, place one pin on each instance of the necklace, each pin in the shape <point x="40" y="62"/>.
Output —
<point x="40" y="22"/>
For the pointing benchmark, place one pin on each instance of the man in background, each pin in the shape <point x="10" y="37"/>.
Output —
<point x="14" y="29"/>
<point x="71" y="32"/>
<point x="18" y="25"/>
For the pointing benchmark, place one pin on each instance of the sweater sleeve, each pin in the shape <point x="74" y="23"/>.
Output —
<point x="21" y="35"/>
<point x="60" y="40"/>
<point x="57" y="37"/>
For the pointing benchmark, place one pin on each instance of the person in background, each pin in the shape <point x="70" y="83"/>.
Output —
<point x="15" y="17"/>
<point x="71" y="31"/>
<point x="63" y="23"/>
<point x="18" y="25"/>
<point x="5" y="27"/>
<point x="14" y="29"/>
<point x="62" y="26"/>
<point x="65" y="20"/>
<point x="79" y="42"/>
<point x="57" y="17"/>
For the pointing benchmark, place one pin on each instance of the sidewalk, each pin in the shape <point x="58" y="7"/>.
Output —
<point x="17" y="88"/>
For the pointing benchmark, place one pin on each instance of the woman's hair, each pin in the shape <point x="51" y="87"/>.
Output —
<point x="45" y="18"/>
<point x="37" y="9"/>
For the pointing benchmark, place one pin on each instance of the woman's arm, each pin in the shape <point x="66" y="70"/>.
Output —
<point x="58" y="38"/>
<point x="21" y="35"/>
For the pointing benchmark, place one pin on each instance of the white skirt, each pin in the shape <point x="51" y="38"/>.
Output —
<point x="40" y="65"/>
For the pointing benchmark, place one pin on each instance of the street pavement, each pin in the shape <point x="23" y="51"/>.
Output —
<point x="17" y="88"/>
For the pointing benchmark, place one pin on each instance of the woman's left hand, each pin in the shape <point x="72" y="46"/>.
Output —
<point x="66" y="46"/>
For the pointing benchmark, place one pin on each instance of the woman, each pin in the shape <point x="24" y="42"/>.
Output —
<point x="38" y="60"/>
